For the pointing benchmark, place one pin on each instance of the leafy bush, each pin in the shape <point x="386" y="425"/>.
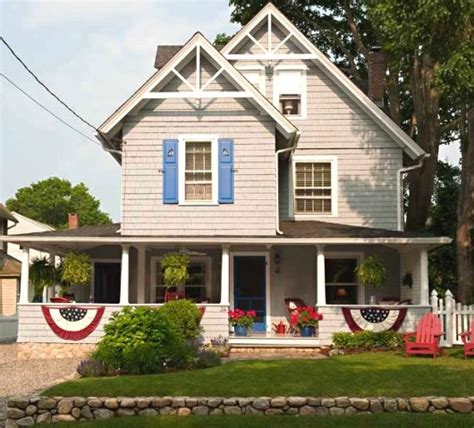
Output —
<point x="185" y="316"/>
<point x="368" y="340"/>
<point x="92" y="368"/>
<point x="143" y="341"/>
<point x="207" y="358"/>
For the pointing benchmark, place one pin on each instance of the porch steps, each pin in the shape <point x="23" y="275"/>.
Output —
<point x="274" y="343"/>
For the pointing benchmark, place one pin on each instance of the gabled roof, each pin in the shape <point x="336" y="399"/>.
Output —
<point x="38" y="224"/>
<point x="337" y="76"/>
<point x="112" y="123"/>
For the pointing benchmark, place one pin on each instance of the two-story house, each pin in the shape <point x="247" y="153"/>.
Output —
<point x="273" y="171"/>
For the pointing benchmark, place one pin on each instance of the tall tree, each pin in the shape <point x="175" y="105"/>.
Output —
<point x="51" y="200"/>
<point x="423" y="37"/>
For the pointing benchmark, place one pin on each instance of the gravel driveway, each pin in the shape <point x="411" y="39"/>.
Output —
<point x="27" y="377"/>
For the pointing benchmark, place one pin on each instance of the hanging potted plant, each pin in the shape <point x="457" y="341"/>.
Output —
<point x="175" y="271"/>
<point x="242" y="321"/>
<point x="43" y="274"/>
<point x="371" y="273"/>
<point x="75" y="269"/>
<point x="306" y="319"/>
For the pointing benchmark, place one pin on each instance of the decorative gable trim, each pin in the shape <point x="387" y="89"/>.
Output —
<point x="271" y="12"/>
<point x="198" y="43"/>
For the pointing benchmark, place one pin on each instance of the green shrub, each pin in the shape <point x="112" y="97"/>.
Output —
<point x="368" y="340"/>
<point x="143" y="341"/>
<point x="207" y="358"/>
<point x="185" y="316"/>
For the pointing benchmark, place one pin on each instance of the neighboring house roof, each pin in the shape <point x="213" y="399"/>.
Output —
<point x="111" y="125"/>
<point x="6" y="214"/>
<point x="9" y="266"/>
<point x="332" y="71"/>
<point x="37" y="224"/>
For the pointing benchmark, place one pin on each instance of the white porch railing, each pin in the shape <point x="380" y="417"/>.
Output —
<point x="8" y="328"/>
<point x="454" y="317"/>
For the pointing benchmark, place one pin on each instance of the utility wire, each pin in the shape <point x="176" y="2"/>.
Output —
<point x="44" y="86"/>
<point x="49" y="111"/>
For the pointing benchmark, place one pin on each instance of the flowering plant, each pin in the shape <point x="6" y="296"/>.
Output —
<point x="305" y="316"/>
<point x="243" y="318"/>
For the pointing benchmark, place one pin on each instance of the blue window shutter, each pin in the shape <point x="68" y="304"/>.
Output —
<point x="226" y="171"/>
<point x="170" y="171"/>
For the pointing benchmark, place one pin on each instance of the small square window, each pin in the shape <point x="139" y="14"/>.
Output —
<point x="290" y="104"/>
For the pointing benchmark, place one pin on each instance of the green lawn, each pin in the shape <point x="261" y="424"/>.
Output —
<point x="362" y="421"/>
<point x="368" y="374"/>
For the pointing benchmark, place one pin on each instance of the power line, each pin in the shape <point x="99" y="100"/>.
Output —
<point x="44" y="86"/>
<point x="49" y="111"/>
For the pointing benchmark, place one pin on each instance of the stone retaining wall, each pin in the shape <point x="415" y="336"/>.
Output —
<point x="51" y="351"/>
<point x="25" y="411"/>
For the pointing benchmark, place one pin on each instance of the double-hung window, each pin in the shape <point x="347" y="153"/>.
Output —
<point x="198" y="170"/>
<point x="315" y="186"/>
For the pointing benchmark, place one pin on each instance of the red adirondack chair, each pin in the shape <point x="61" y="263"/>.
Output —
<point x="468" y="341"/>
<point x="425" y="341"/>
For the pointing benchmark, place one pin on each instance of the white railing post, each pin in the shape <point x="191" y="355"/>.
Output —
<point x="449" y="325"/>
<point x="434" y="301"/>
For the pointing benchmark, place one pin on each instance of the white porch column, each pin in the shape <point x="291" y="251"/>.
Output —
<point x="321" y="276"/>
<point x="25" y="275"/>
<point x="141" y="260"/>
<point x="424" y="283"/>
<point x="225" y="275"/>
<point x="124" y="275"/>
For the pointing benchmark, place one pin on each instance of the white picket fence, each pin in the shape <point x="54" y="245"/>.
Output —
<point x="8" y="328"/>
<point x="454" y="316"/>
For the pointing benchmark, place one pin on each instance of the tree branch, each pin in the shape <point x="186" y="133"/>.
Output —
<point x="354" y="30"/>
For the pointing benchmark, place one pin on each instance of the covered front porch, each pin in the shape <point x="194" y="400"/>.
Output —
<point x="247" y="273"/>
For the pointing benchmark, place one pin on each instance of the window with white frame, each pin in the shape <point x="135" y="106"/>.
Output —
<point x="290" y="92"/>
<point x="341" y="281"/>
<point x="198" y="285"/>
<point x="198" y="170"/>
<point x="315" y="186"/>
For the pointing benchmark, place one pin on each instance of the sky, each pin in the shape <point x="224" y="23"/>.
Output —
<point x="93" y="54"/>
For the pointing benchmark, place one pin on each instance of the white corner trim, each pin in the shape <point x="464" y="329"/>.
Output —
<point x="182" y="140"/>
<point x="334" y="185"/>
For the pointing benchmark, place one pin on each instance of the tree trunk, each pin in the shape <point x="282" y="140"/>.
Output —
<point x="466" y="217"/>
<point x="426" y="106"/>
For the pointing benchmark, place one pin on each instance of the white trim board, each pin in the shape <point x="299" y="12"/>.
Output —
<point x="337" y="76"/>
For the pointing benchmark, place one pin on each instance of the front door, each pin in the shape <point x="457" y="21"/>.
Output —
<point x="106" y="282"/>
<point x="249" y="287"/>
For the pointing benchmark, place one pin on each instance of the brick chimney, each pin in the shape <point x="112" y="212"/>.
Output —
<point x="73" y="221"/>
<point x="377" y="70"/>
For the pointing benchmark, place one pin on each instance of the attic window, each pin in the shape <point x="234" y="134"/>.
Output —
<point x="290" y="92"/>
<point x="290" y="104"/>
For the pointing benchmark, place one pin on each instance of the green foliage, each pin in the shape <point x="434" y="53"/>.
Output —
<point x="185" y="316"/>
<point x="76" y="268"/>
<point x="442" y="222"/>
<point x="175" y="267"/>
<point x="207" y="358"/>
<point x="43" y="274"/>
<point x="143" y="341"/>
<point x="221" y="39"/>
<point x="368" y="340"/>
<point x="371" y="272"/>
<point x="51" y="200"/>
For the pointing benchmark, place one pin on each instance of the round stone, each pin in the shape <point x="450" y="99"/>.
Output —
<point x="307" y="410"/>
<point x="461" y="405"/>
<point x="419" y="404"/>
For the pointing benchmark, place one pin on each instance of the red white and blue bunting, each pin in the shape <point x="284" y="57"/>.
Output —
<point x="374" y="318"/>
<point x="73" y="322"/>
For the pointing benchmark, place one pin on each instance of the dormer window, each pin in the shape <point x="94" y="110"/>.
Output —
<point x="289" y="91"/>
